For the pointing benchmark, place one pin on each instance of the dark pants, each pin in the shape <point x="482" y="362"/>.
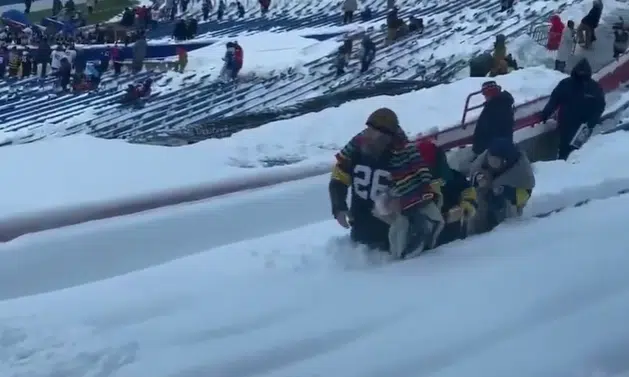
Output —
<point x="560" y="66"/>
<point x="365" y="62"/>
<point x="348" y="17"/>
<point x="565" y="148"/>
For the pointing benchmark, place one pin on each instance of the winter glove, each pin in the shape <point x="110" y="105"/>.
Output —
<point x="469" y="209"/>
<point x="480" y="179"/>
<point x="455" y="214"/>
<point x="343" y="218"/>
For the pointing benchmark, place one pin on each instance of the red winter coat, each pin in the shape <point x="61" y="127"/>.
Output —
<point x="238" y="56"/>
<point x="554" y="33"/>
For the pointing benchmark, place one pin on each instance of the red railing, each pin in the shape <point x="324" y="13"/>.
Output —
<point x="469" y="108"/>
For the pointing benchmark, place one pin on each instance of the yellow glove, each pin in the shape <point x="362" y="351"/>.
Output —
<point x="455" y="214"/>
<point x="469" y="209"/>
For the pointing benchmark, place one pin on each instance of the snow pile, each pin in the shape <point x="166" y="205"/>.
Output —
<point x="265" y="55"/>
<point x="303" y="301"/>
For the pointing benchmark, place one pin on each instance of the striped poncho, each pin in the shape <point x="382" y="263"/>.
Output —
<point x="410" y="175"/>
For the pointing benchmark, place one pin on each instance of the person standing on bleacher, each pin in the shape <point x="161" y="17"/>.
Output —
<point x="496" y="120"/>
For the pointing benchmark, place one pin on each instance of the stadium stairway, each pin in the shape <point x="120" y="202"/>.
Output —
<point x="37" y="110"/>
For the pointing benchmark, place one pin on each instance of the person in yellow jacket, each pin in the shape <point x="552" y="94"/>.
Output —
<point x="15" y="61"/>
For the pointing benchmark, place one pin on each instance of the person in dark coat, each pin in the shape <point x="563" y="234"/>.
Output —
<point x="368" y="53"/>
<point x="496" y="120"/>
<point x="586" y="30"/>
<point x="43" y="56"/>
<point x="580" y="100"/>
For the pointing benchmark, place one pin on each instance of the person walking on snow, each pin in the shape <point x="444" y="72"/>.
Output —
<point x="579" y="101"/>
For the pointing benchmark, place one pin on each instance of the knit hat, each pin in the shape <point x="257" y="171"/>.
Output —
<point x="490" y="88"/>
<point x="386" y="121"/>
<point x="436" y="158"/>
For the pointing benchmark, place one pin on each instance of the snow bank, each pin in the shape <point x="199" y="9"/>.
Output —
<point x="265" y="55"/>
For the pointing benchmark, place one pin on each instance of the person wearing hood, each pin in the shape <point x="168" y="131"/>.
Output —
<point x="579" y="100"/>
<point x="496" y="120"/>
<point x="554" y="32"/>
<point x="393" y="204"/>
<point x="504" y="180"/>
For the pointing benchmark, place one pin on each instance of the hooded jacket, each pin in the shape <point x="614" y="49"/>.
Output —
<point x="579" y="99"/>
<point x="496" y="120"/>
<point x="516" y="178"/>
<point x="554" y="33"/>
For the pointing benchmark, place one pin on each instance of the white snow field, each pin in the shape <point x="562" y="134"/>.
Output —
<point x="107" y="248"/>
<point x="80" y="169"/>
<point x="536" y="297"/>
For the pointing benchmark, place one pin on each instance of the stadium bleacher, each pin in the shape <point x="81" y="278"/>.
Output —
<point x="32" y="109"/>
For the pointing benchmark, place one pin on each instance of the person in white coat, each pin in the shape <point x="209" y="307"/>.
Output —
<point x="566" y="46"/>
<point x="55" y="58"/>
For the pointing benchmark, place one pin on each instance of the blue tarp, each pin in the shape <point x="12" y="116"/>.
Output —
<point x="15" y="16"/>
<point x="18" y="3"/>
<point x="67" y="27"/>
<point x="154" y="51"/>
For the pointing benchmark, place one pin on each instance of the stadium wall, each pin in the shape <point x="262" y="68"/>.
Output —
<point x="533" y="137"/>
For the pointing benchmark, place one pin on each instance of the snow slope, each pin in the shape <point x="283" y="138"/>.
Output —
<point x="166" y="234"/>
<point x="266" y="54"/>
<point x="294" y="304"/>
<point x="80" y="168"/>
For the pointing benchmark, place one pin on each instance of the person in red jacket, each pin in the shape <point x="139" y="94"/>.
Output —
<point x="238" y="59"/>
<point x="554" y="33"/>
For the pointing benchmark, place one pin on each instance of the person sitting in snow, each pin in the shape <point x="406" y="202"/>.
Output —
<point x="135" y="93"/>
<point x="366" y="14"/>
<point x="415" y="25"/>
<point x="89" y="80"/>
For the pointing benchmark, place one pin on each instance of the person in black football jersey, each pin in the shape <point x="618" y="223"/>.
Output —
<point x="379" y="161"/>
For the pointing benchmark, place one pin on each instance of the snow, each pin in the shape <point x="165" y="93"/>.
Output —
<point x="294" y="304"/>
<point x="266" y="54"/>
<point x="166" y="234"/>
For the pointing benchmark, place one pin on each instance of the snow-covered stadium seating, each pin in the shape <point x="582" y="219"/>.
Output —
<point x="32" y="110"/>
